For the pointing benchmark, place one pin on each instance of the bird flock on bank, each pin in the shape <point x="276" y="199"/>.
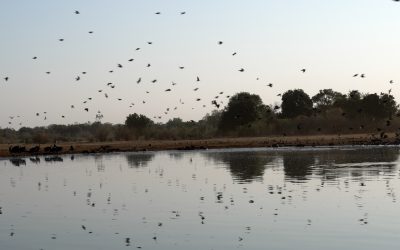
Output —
<point x="216" y="101"/>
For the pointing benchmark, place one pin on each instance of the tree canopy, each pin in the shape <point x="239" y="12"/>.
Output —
<point x="296" y="102"/>
<point x="138" y="122"/>
<point x="243" y="108"/>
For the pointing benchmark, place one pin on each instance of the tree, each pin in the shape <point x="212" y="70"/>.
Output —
<point x="296" y="102"/>
<point x="243" y="108"/>
<point x="326" y="98"/>
<point x="138" y="122"/>
<point x="379" y="107"/>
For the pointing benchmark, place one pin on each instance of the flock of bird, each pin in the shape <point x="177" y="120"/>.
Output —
<point x="216" y="101"/>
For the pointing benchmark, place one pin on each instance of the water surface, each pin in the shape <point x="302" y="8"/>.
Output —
<point x="321" y="198"/>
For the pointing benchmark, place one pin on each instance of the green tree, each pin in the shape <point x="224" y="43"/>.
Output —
<point x="296" y="102"/>
<point x="138" y="122"/>
<point x="243" y="108"/>
<point x="326" y="98"/>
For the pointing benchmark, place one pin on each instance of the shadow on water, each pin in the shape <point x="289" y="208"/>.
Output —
<point x="367" y="162"/>
<point x="302" y="165"/>
<point x="337" y="163"/>
<point x="139" y="160"/>
<point x="297" y="165"/>
<point x="244" y="167"/>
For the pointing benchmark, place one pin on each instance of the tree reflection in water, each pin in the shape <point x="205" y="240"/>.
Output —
<point x="245" y="167"/>
<point x="139" y="160"/>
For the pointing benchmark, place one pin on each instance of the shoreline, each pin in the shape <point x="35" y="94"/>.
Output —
<point x="202" y="144"/>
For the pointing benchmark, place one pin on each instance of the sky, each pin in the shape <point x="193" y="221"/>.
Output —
<point x="273" y="40"/>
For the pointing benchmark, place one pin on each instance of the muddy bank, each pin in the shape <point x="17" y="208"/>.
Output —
<point x="7" y="150"/>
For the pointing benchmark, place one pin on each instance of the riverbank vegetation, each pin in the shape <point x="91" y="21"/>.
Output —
<point x="327" y="112"/>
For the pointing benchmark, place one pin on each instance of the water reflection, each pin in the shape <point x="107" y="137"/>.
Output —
<point x="138" y="160"/>
<point x="298" y="166"/>
<point x="243" y="166"/>
<point x="187" y="200"/>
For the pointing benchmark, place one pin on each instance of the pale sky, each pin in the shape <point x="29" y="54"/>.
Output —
<point x="274" y="40"/>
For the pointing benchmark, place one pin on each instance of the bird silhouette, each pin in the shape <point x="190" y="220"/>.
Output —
<point x="303" y="70"/>
<point x="77" y="12"/>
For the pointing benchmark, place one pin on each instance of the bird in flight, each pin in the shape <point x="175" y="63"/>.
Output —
<point x="6" y="78"/>
<point x="77" y="12"/>
<point x="241" y="70"/>
<point x="269" y="85"/>
<point x="303" y="70"/>
<point x="183" y="12"/>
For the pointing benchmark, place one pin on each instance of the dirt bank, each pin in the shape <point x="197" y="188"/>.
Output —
<point x="155" y="145"/>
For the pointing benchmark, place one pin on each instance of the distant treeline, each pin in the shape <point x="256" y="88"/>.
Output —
<point x="328" y="112"/>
